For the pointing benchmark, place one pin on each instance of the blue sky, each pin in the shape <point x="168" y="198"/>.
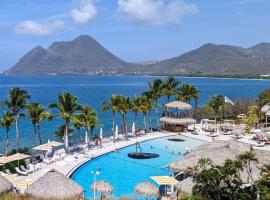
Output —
<point x="135" y="30"/>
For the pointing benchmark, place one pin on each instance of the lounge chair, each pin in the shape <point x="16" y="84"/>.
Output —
<point x="47" y="161"/>
<point x="22" y="168"/>
<point x="37" y="166"/>
<point x="259" y="144"/>
<point x="21" y="172"/>
<point x="30" y="168"/>
<point x="8" y="172"/>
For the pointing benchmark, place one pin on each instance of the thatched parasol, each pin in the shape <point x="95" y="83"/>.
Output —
<point x="5" y="185"/>
<point x="102" y="187"/>
<point x="147" y="189"/>
<point x="185" y="186"/>
<point x="54" y="185"/>
<point x="179" y="105"/>
<point x="218" y="152"/>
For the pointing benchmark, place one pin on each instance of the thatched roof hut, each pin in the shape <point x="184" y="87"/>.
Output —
<point x="265" y="108"/>
<point x="147" y="189"/>
<point x="102" y="187"/>
<point x="5" y="185"/>
<point x="54" y="185"/>
<point x="181" y="121"/>
<point x="185" y="186"/>
<point x="179" y="105"/>
<point x="218" y="152"/>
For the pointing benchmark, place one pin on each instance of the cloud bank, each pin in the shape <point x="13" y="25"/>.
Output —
<point x="154" y="12"/>
<point x="84" y="13"/>
<point x="39" y="29"/>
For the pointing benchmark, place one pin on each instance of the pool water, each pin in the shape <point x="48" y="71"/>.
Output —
<point x="124" y="173"/>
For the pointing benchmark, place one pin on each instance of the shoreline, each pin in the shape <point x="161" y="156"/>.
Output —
<point x="136" y="75"/>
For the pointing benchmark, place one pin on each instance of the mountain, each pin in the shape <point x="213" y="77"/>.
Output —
<point x="220" y="60"/>
<point x="84" y="55"/>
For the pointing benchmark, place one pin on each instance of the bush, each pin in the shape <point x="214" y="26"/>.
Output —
<point x="192" y="197"/>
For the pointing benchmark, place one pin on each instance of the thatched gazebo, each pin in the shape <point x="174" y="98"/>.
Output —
<point x="185" y="186"/>
<point x="218" y="152"/>
<point x="179" y="120"/>
<point x="147" y="189"/>
<point x="54" y="186"/>
<point x="5" y="185"/>
<point x="103" y="187"/>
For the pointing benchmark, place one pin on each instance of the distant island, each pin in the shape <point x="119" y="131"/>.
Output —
<point x="85" y="56"/>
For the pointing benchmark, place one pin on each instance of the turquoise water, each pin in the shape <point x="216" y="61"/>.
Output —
<point x="93" y="90"/>
<point x="125" y="173"/>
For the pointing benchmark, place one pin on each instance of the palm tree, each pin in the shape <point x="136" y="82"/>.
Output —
<point x="15" y="102"/>
<point x="37" y="113"/>
<point x="89" y="119"/>
<point x="113" y="106"/>
<point x="61" y="131"/>
<point x="170" y="87"/>
<point x="135" y="107"/>
<point x="155" y="91"/>
<point x="188" y="92"/>
<point x="216" y="102"/>
<point x="6" y="122"/>
<point x="67" y="107"/>
<point x="144" y="107"/>
<point x="123" y="108"/>
<point x="247" y="158"/>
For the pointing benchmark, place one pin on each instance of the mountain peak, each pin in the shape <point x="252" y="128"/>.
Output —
<point x="84" y="38"/>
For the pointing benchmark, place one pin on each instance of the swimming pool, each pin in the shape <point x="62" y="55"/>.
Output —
<point x="125" y="173"/>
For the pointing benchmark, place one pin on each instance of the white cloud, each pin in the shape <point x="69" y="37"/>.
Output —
<point x="154" y="12"/>
<point x="40" y="29"/>
<point x="84" y="13"/>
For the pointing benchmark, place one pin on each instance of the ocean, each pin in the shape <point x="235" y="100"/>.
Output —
<point x="92" y="90"/>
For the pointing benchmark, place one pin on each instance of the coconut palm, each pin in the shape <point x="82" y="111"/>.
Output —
<point x="61" y="131"/>
<point x="263" y="184"/>
<point x="187" y="93"/>
<point x="170" y="87"/>
<point x="37" y="114"/>
<point x="216" y="103"/>
<point x="247" y="158"/>
<point x="6" y="122"/>
<point x="123" y="108"/>
<point x="89" y="119"/>
<point x="15" y="102"/>
<point x="135" y="107"/>
<point x="112" y="105"/>
<point x="145" y="105"/>
<point x="67" y="107"/>
<point x="155" y="92"/>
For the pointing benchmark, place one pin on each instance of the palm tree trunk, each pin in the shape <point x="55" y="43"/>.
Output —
<point x="35" y="132"/>
<point x="17" y="134"/>
<point x="157" y="115"/>
<point x="86" y="136"/>
<point x="66" y="138"/>
<point x="7" y="143"/>
<point x="39" y="135"/>
<point x="150" y="121"/>
<point x="145" y="125"/>
<point x="126" y="125"/>
<point x="113" y="133"/>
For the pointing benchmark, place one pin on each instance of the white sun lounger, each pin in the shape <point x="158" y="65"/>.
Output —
<point x="30" y="168"/>
<point x="21" y="172"/>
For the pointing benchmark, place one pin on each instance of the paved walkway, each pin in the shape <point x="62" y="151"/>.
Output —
<point x="71" y="162"/>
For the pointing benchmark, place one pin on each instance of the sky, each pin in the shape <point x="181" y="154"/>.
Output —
<point x="134" y="30"/>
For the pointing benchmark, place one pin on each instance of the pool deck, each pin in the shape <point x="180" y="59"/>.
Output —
<point x="72" y="162"/>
